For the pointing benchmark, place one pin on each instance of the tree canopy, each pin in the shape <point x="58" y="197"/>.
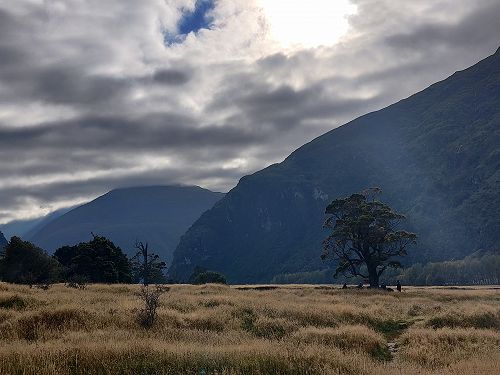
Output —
<point x="364" y="236"/>
<point x="98" y="261"/>
<point x="201" y="275"/>
<point x="24" y="263"/>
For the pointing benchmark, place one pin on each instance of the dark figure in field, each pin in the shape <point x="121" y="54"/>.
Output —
<point x="398" y="286"/>
<point x="344" y="286"/>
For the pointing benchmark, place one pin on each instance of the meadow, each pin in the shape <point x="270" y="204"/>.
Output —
<point x="216" y="329"/>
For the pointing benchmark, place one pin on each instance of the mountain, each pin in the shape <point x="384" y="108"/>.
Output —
<point x="436" y="156"/>
<point x="3" y="241"/>
<point x="27" y="228"/>
<point x="158" y="215"/>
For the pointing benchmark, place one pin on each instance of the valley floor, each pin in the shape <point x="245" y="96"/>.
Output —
<point x="250" y="330"/>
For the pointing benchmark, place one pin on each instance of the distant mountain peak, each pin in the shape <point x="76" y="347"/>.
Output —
<point x="155" y="214"/>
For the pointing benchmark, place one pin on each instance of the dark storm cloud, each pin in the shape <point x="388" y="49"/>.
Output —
<point x="11" y="56"/>
<point x="15" y="198"/>
<point x="283" y="108"/>
<point x="60" y="85"/>
<point x="171" y="77"/>
<point x="155" y="131"/>
<point x="91" y="99"/>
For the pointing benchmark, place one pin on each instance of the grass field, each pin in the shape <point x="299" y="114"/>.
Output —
<point x="250" y="330"/>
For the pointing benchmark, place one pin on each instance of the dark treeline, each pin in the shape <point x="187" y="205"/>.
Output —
<point x="472" y="270"/>
<point x="478" y="269"/>
<point x="96" y="261"/>
<point x="100" y="261"/>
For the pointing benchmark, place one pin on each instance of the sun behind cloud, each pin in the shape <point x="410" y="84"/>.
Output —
<point x="311" y="23"/>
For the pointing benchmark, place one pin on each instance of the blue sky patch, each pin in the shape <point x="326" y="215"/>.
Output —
<point x="192" y="21"/>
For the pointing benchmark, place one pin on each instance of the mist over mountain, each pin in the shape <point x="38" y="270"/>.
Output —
<point x="436" y="156"/>
<point x="27" y="228"/>
<point x="158" y="215"/>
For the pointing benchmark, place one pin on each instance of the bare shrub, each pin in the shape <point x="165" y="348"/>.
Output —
<point x="151" y="301"/>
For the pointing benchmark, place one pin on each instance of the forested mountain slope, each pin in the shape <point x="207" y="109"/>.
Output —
<point x="436" y="155"/>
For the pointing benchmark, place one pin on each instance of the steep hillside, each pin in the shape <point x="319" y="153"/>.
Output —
<point x="436" y="155"/>
<point x="158" y="215"/>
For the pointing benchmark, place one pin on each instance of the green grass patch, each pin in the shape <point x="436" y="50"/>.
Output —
<point x="13" y="302"/>
<point x="391" y="328"/>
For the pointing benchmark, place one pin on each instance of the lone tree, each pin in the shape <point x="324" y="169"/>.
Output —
<point x="147" y="266"/>
<point x="364" y="237"/>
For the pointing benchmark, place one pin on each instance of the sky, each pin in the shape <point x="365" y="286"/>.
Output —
<point x="96" y="95"/>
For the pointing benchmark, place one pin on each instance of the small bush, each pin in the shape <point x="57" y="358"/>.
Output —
<point x="151" y="300"/>
<point x="209" y="277"/>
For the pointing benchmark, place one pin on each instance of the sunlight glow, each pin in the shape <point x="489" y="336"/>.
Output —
<point x="307" y="23"/>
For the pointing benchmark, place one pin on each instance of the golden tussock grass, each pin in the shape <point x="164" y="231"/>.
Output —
<point x="229" y="330"/>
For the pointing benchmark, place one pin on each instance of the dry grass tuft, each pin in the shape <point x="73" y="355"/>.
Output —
<point x="478" y="318"/>
<point x="443" y="347"/>
<point x="358" y="338"/>
<point x="13" y="302"/>
<point x="44" y="324"/>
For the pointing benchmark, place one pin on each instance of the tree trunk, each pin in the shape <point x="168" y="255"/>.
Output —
<point x="373" y="276"/>
<point x="145" y="266"/>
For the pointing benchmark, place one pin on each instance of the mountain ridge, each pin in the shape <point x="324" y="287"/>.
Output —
<point x="154" y="214"/>
<point x="434" y="154"/>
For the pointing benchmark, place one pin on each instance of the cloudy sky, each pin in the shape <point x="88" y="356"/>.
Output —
<point x="102" y="94"/>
